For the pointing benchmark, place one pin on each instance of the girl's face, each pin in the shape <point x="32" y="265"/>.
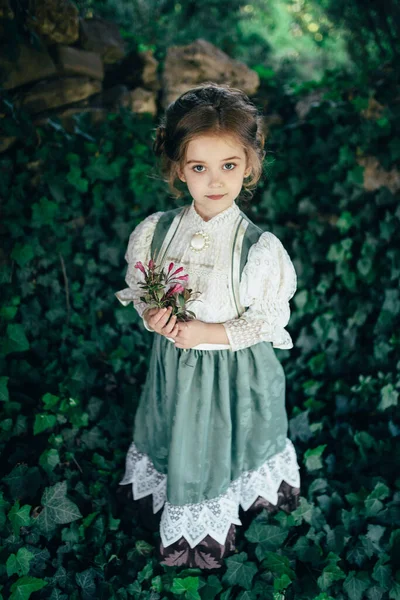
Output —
<point x="213" y="170"/>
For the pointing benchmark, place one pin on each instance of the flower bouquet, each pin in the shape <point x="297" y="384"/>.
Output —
<point x="156" y="292"/>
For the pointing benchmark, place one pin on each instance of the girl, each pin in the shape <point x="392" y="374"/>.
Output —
<point x="210" y="432"/>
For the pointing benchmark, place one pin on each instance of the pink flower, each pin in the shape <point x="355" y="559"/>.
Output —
<point x="140" y="266"/>
<point x="175" y="289"/>
<point x="152" y="264"/>
<point x="171" y="266"/>
<point x="183" y="277"/>
<point x="177" y="271"/>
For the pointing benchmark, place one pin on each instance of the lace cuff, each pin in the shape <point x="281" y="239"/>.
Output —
<point x="268" y="283"/>
<point x="138" y="250"/>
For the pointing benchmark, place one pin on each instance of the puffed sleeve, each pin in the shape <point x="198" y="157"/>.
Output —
<point x="267" y="284"/>
<point x="139" y="246"/>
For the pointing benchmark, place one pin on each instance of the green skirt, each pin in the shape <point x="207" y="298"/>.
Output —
<point x="206" y="416"/>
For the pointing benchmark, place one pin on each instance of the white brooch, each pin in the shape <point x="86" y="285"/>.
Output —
<point x="199" y="241"/>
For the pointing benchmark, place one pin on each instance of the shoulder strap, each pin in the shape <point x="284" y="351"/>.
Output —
<point x="252" y="235"/>
<point x="161" y="230"/>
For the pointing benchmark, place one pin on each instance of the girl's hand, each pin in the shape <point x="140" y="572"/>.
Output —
<point x="160" y="320"/>
<point x="190" y="333"/>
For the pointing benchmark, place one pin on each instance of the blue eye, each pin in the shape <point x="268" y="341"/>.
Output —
<point x="202" y="166"/>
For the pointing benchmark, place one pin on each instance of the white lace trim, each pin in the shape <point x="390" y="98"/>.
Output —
<point x="212" y="517"/>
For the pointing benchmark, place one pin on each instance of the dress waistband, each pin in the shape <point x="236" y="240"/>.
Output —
<point x="206" y="346"/>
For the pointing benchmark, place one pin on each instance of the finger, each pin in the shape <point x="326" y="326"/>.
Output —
<point x="170" y="325"/>
<point x="161" y="317"/>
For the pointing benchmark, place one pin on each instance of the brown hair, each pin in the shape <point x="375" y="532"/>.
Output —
<point x="215" y="109"/>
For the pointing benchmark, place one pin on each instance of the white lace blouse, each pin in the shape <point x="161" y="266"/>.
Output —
<point x="267" y="283"/>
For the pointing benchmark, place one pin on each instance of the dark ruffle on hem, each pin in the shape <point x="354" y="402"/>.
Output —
<point x="209" y="554"/>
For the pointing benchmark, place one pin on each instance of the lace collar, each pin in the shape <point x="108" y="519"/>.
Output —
<point x="224" y="216"/>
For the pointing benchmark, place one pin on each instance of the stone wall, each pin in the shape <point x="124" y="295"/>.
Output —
<point x="83" y="65"/>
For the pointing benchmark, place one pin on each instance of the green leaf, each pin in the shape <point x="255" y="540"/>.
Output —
<point x="185" y="585"/>
<point x="330" y="574"/>
<point x="19" y="563"/>
<point x="394" y="593"/>
<point x="25" y="586"/>
<point x="239" y="571"/>
<point x="58" y="509"/>
<point x="389" y="397"/>
<point x="17" y="340"/>
<point x="42" y="422"/>
<point x="303" y="511"/>
<point x="19" y="517"/>
<point x="144" y="548"/>
<point x="22" y="253"/>
<point x="212" y="588"/>
<point x="312" y="457"/>
<point x="356" y="583"/>
<point x="278" y="564"/>
<point x="270" y="537"/>
<point x="374" y="593"/>
<point x="282" y="582"/>
<point x="4" y="397"/>
<point x="245" y="595"/>
<point x="382" y="573"/>
<point x="380" y="491"/>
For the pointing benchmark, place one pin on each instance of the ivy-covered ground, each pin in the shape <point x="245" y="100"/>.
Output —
<point x="74" y="360"/>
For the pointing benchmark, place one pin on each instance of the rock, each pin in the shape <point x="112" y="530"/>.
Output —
<point x="56" y="20"/>
<point x="304" y="105"/>
<point x="103" y="37"/>
<point x="112" y="98"/>
<point x="375" y="175"/>
<point x="74" y="61"/>
<point x="191" y="65"/>
<point x="30" y="65"/>
<point x="6" y="143"/>
<point x="141" y="101"/>
<point x="57" y="92"/>
<point x="137" y="69"/>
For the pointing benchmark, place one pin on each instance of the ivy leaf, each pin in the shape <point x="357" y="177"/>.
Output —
<point x="211" y="588"/>
<point x="185" y="586"/>
<point x="43" y="421"/>
<point x="4" y="397"/>
<point x="299" y="427"/>
<point x="303" y="512"/>
<point x="19" y="563"/>
<point x="270" y="537"/>
<point x="330" y="574"/>
<point x="143" y="547"/>
<point x="282" y="582"/>
<point x="374" y="593"/>
<point x="239" y="572"/>
<point x="279" y="565"/>
<point x="145" y="573"/>
<point x="394" y="593"/>
<point x="356" y="583"/>
<point x="382" y="573"/>
<point x="16" y="340"/>
<point x="58" y="509"/>
<point x="312" y="457"/>
<point x="246" y="596"/>
<point x="25" y="586"/>
<point x="19" y="516"/>
<point x="389" y="397"/>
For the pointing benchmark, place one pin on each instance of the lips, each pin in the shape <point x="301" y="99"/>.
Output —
<point x="216" y="197"/>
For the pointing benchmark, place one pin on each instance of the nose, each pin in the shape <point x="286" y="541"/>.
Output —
<point x="215" y="180"/>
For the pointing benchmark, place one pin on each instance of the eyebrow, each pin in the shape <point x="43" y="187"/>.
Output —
<point x="223" y="160"/>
